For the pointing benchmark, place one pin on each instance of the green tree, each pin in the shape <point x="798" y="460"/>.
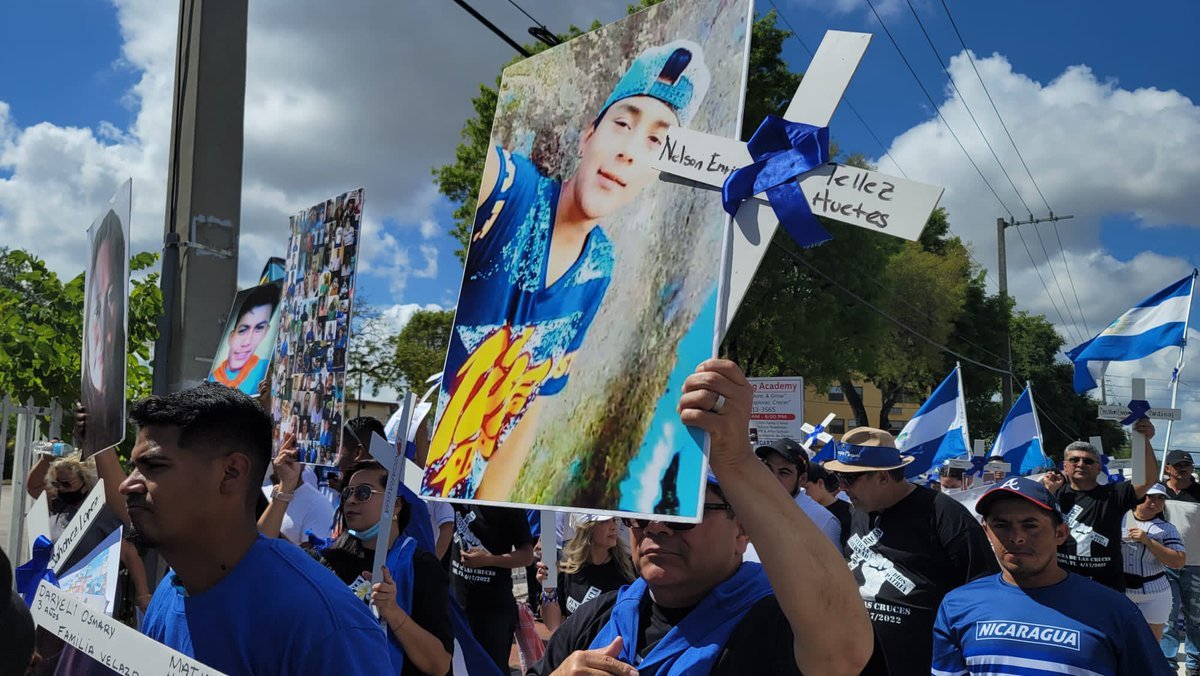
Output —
<point x="420" y="347"/>
<point x="41" y="331"/>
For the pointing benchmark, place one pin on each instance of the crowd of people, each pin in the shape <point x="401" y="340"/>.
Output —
<point x="795" y="567"/>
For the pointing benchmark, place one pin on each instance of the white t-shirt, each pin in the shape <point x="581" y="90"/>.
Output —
<point x="439" y="513"/>
<point x="822" y="517"/>
<point x="307" y="510"/>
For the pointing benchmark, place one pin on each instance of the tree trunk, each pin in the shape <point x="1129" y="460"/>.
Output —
<point x="891" y="394"/>
<point x="855" y="401"/>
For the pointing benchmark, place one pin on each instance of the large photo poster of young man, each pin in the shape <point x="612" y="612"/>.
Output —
<point x="308" y="374"/>
<point x="244" y="353"/>
<point x="105" y="324"/>
<point x="589" y="289"/>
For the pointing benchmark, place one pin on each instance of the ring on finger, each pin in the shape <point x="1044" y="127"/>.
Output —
<point x="716" y="407"/>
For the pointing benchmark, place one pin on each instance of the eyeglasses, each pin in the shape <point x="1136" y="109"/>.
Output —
<point x="1077" y="459"/>
<point x="846" y="479"/>
<point x="708" y="507"/>
<point x="59" y="485"/>
<point x="361" y="492"/>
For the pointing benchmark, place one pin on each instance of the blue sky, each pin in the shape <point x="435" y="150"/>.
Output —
<point x="1100" y="97"/>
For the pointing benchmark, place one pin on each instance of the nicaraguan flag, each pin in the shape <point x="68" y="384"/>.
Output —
<point x="938" y="431"/>
<point x="1157" y="322"/>
<point x="1020" y="437"/>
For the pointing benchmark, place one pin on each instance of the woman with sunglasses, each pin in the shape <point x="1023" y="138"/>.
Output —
<point x="413" y="596"/>
<point x="595" y="560"/>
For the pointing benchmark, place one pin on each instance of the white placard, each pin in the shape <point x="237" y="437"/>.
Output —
<point x="861" y="197"/>
<point x="73" y="533"/>
<point x="958" y="463"/>
<point x="111" y="643"/>
<point x="1113" y="412"/>
<point x="778" y="409"/>
<point x="37" y="519"/>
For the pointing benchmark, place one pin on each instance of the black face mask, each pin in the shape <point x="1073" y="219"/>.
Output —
<point x="72" y="497"/>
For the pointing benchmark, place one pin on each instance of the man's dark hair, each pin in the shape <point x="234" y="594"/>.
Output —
<point x="895" y="474"/>
<point x="362" y="427"/>
<point x="817" y="473"/>
<point x="213" y="418"/>
<point x="268" y="294"/>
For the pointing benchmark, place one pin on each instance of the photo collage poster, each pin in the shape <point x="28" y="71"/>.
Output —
<point x="590" y="286"/>
<point x="308" y="381"/>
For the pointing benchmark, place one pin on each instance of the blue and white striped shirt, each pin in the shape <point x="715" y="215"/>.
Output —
<point x="1139" y="560"/>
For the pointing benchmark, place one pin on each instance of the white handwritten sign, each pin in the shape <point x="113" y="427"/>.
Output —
<point x="841" y="192"/>
<point x="109" y="642"/>
<point x="1111" y="412"/>
<point x="78" y="525"/>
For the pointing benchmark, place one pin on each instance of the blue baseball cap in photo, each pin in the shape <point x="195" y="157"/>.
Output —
<point x="1022" y="487"/>
<point x="673" y="73"/>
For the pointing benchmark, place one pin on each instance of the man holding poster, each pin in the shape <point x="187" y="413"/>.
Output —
<point x="572" y="229"/>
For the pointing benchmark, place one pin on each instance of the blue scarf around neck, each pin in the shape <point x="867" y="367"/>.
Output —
<point x="692" y="646"/>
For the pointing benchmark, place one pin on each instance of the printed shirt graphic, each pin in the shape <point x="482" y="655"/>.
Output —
<point x="496" y="529"/>
<point x="514" y="337"/>
<point x="1094" y="519"/>
<point x="906" y="559"/>
<point x="1073" y="627"/>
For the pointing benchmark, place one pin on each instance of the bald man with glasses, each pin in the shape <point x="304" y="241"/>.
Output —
<point x="1094" y="511"/>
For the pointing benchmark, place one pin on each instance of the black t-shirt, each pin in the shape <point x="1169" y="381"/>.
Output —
<point x="841" y="510"/>
<point x="430" y="592"/>
<point x="576" y="589"/>
<point x="1189" y="494"/>
<point x="499" y="530"/>
<point x="906" y="558"/>
<point x="1095" y="520"/>
<point x="762" y="643"/>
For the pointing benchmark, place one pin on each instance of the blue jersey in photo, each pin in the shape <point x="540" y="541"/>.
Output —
<point x="514" y="336"/>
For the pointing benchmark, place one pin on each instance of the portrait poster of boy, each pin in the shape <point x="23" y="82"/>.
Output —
<point x="308" y="371"/>
<point x="244" y="353"/>
<point x="590" y="284"/>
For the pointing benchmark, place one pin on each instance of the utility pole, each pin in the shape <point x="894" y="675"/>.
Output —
<point x="1006" y="389"/>
<point x="204" y="190"/>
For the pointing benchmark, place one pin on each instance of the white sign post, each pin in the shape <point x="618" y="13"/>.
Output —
<point x="860" y="197"/>
<point x="393" y="458"/>
<point x="1137" y="439"/>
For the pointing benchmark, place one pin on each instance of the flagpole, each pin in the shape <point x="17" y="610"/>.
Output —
<point x="962" y="396"/>
<point x="1162" y="468"/>
<point x="1037" y="424"/>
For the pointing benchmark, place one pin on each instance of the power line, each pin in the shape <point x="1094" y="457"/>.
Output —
<point x="527" y="14"/>
<point x="1078" y="305"/>
<point x="493" y="28"/>
<point x="994" y="108"/>
<point x="962" y="99"/>
<point x="800" y="259"/>
<point x="796" y="35"/>
<point x="938" y="110"/>
<point x="1054" y="274"/>
<point x="1045" y="287"/>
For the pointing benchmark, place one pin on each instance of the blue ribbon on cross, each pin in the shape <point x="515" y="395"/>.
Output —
<point x="1137" y="410"/>
<point x="977" y="463"/>
<point x="782" y="151"/>
<point x="31" y="573"/>
<point x="812" y="436"/>
<point x="1112" y="478"/>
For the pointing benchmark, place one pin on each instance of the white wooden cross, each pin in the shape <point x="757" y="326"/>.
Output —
<point x="817" y="433"/>
<point x="1138" y="440"/>
<point x="860" y="197"/>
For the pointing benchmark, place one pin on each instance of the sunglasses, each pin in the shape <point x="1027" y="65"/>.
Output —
<point x="1077" y="459"/>
<point x="361" y="492"/>
<point x="848" y="478"/>
<point x="708" y="507"/>
<point x="59" y="485"/>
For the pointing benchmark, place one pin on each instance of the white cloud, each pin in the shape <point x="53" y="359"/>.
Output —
<point x="396" y="317"/>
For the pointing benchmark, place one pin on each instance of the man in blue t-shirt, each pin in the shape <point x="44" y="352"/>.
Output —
<point x="1035" y="617"/>
<point x="234" y="600"/>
